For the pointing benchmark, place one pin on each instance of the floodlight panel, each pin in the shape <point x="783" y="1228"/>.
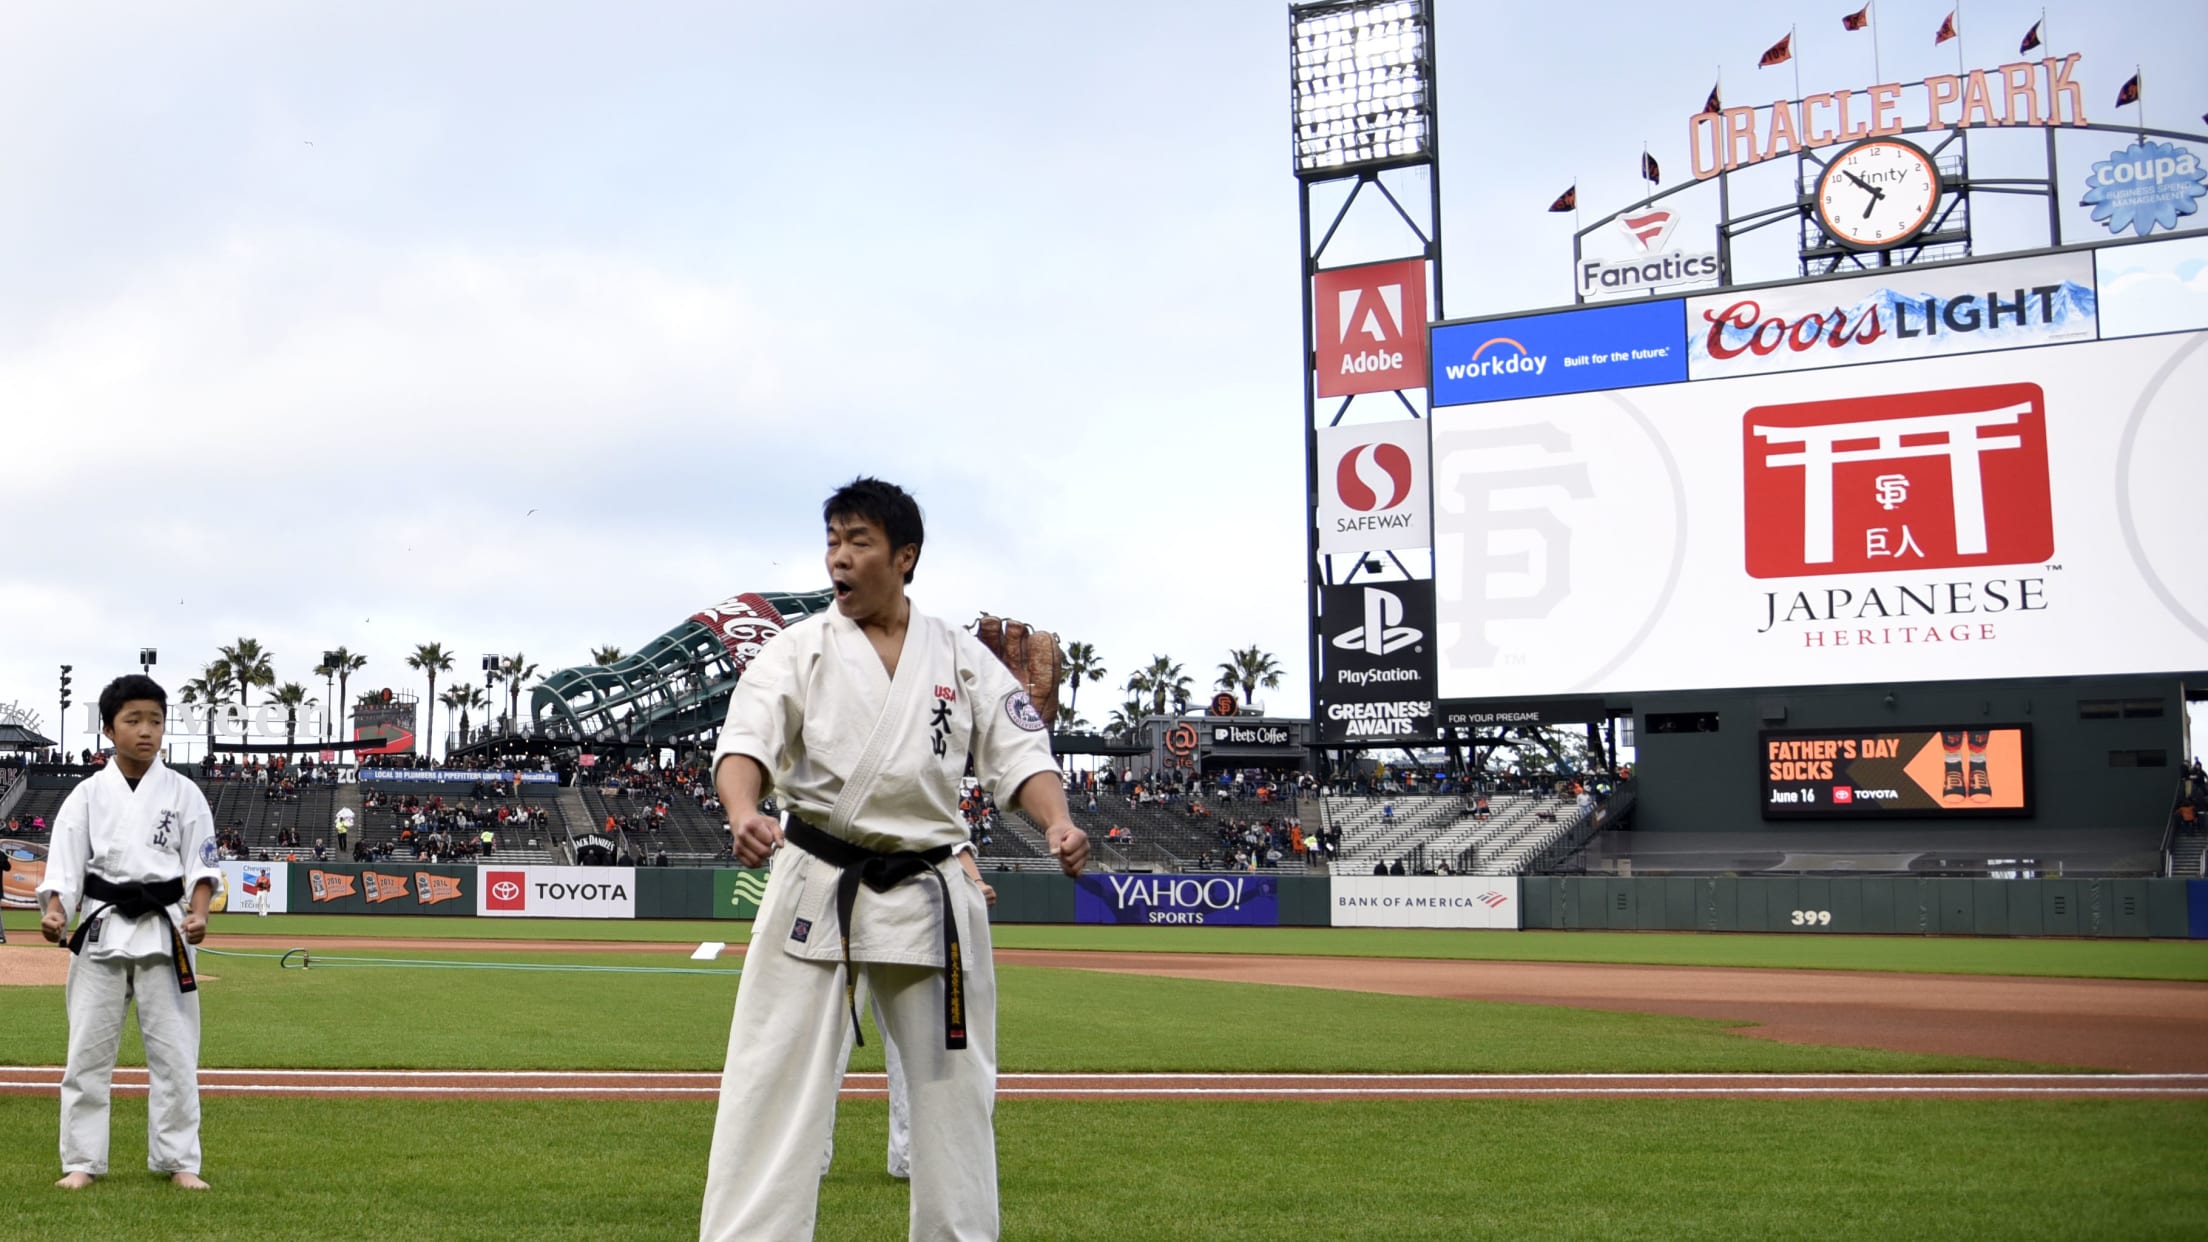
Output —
<point x="1362" y="84"/>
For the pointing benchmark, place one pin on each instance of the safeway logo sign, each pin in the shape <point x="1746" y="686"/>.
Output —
<point x="1371" y="327"/>
<point x="1383" y="631"/>
<point x="1924" y="480"/>
<point x="505" y="890"/>
<point x="1372" y="487"/>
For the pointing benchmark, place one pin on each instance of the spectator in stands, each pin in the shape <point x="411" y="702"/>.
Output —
<point x="1381" y="867"/>
<point x="1399" y="868"/>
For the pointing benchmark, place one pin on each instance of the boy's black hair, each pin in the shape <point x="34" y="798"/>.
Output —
<point x="129" y="689"/>
<point x="886" y="505"/>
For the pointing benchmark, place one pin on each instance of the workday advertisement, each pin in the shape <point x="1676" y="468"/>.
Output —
<point x="1618" y="346"/>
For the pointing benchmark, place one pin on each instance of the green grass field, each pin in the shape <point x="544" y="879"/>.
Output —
<point x="2183" y="960"/>
<point x="557" y="1169"/>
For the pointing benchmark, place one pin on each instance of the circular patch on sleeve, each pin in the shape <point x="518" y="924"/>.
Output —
<point x="1022" y="711"/>
<point x="207" y="853"/>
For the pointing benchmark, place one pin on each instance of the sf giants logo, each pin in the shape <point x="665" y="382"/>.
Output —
<point x="1517" y="547"/>
<point x="1923" y="480"/>
<point x="1371" y="323"/>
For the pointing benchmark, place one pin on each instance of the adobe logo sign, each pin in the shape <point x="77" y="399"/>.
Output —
<point x="505" y="890"/>
<point x="1922" y="480"/>
<point x="1371" y="327"/>
<point x="1373" y="487"/>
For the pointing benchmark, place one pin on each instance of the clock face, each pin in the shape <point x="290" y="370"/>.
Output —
<point x="1877" y="194"/>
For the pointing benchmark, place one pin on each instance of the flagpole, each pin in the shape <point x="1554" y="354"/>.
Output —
<point x="2054" y="202"/>
<point x="2138" y="73"/>
<point x="1959" y="69"/>
<point x="1877" y="69"/>
<point x="1795" y="55"/>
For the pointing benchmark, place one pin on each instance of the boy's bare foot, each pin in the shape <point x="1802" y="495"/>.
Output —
<point x="189" y="1181"/>
<point x="75" y="1181"/>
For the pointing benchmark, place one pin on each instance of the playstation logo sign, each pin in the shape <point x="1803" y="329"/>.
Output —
<point x="1378" y="684"/>
<point x="1383" y="632"/>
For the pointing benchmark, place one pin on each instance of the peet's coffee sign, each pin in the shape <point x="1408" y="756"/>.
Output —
<point x="1251" y="735"/>
<point x="2031" y="93"/>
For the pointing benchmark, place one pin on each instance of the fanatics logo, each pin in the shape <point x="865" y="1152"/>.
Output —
<point x="505" y="890"/>
<point x="1371" y="327"/>
<point x="1922" y="480"/>
<point x="1648" y="229"/>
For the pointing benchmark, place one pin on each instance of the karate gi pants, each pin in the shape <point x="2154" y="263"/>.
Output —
<point x="785" y="1064"/>
<point x="900" y="1107"/>
<point x="168" y="1022"/>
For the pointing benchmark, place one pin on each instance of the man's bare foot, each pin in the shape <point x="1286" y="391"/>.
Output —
<point x="75" y="1181"/>
<point x="189" y="1181"/>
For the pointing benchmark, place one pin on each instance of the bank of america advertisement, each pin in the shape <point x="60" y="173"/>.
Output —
<point x="2016" y="514"/>
<point x="1483" y="901"/>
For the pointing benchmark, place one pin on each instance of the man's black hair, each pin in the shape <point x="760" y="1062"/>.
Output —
<point x="129" y="689"/>
<point x="886" y="505"/>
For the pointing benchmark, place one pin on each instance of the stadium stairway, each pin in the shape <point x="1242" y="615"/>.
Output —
<point x="2189" y="855"/>
<point x="1370" y="835"/>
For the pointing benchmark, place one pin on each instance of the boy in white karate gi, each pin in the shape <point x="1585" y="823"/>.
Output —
<point x="128" y="845"/>
<point x="862" y="718"/>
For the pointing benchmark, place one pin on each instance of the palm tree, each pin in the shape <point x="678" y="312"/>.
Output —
<point x="1126" y="718"/>
<point x="291" y="696"/>
<point x="344" y="663"/>
<point x="1247" y="669"/>
<point x="460" y="700"/>
<point x="1082" y="665"/>
<point x="212" y="686"/>
<point x="516" y="669"/>
<point x="603" y="656"/>
<point x="430" y="658"/>
<point x="249" y="666"/>
<point x="1161" y="680"/>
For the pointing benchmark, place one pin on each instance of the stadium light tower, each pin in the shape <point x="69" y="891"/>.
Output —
<point x="1362" y="82"/>
<point x="1362" y="112"/>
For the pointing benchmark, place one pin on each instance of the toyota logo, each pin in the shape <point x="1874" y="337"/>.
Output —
<point x="505" y="890"/>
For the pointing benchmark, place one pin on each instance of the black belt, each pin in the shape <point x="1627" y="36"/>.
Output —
<point x="136" y="901"/>
<point x="882" y="872"/>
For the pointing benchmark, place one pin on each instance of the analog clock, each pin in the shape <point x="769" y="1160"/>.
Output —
<point x="1877" y="194"/>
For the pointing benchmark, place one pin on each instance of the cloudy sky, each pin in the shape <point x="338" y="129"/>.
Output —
<point x="310" y="305"/>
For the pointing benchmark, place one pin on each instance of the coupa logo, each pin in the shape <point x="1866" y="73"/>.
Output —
<point x="1498" y="356"/>
<point x="1373" y="476"/>
<point x="1383" y="631"/>
<point x="2146" y="186"/>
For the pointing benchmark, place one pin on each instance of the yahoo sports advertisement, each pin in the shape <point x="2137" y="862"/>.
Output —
<point x="1955" y="770"/>
<point x="1184" y="900"/>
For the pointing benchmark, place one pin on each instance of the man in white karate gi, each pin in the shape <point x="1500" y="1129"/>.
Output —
<point x="862" y="719"/>
<point x="129" y="845"/>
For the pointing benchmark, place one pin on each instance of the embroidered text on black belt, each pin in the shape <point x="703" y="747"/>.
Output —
<point x="882" y="872"/>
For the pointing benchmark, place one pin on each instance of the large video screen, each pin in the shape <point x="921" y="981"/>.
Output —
<point x="1955" y="770"/>
<point x="1944" y="474"/>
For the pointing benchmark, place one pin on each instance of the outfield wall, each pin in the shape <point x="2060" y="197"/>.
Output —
<point x="1842" y="905"/>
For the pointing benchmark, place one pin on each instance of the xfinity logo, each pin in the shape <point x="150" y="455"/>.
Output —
<point x="1383" y="632"/>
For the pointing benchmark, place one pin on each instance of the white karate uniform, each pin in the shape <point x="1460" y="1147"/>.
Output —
<point x="876" y="762"/>
<point x="160" y="831"/>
